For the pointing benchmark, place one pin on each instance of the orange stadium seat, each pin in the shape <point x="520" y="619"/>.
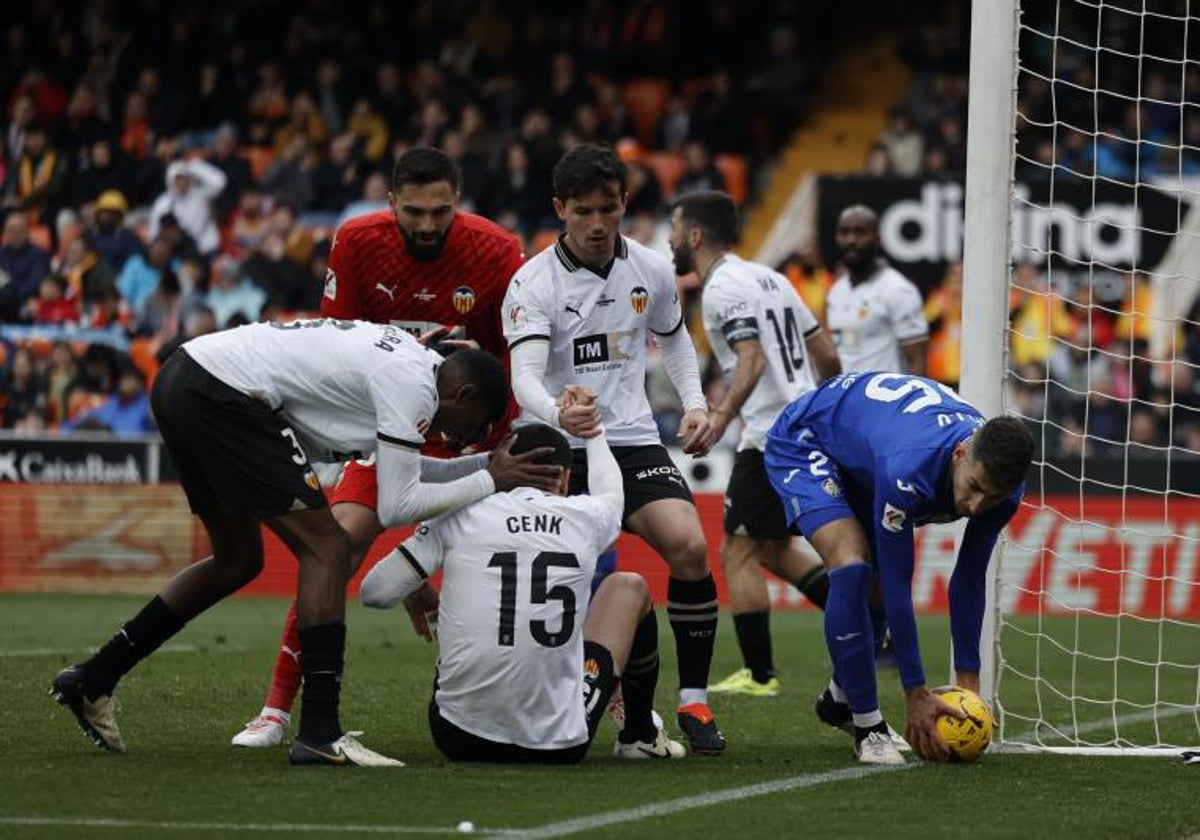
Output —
<point x="646" y="100"/>
<point x="737" y="176"/>
<point x="668" y="167"/>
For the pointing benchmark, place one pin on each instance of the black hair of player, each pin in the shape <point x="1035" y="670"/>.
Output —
<point x="713" y="212"/>
<point x="585" y="169"/>
<point x="424" y="165"/>
<point x="487" y="374"/>
<point x="1005" y="448"/>
<point x="538" y="435"/>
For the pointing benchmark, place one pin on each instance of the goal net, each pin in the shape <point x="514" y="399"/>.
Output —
<point x="1095" y="626"/>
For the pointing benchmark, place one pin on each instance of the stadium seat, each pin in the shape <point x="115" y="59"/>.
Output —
<point x="668" y="167"/>
<point x="646" y="100"/>
<point x="737" y="178"/>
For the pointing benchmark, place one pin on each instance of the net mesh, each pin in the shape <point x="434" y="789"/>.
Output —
<point x="1099" y="643"/>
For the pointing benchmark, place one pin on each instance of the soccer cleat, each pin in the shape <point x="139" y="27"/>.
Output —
<point x="743" y="682"/>
<point x="877" y="748"/>
<point x="263" y="731"/>
<point x="346" y="751"/>
<point x="696" y="722"/>
<point x="97" y="718"/>
<point x="662" y="747"/>
<point x="839" y="716"/>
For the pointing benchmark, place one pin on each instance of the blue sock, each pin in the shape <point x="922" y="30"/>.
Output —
<point x="606" y="564"/>
<point x="848" y="635"/>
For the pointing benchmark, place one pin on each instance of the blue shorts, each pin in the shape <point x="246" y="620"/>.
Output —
<point x="807" y="481"/>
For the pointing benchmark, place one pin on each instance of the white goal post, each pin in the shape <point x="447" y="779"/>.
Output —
<point x="1091" y="638"/>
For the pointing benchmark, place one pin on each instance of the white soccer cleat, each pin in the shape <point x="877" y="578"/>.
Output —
<point x="346" y="751"/>
<point x="663" y="747"/>
<point x="898" y="740"/>
<point x="877" y="748"/>
<point x="263" y="731"/>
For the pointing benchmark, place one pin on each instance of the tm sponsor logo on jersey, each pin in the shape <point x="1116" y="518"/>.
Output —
<point x="893" y="518"/>
<point x="602" y="351"/>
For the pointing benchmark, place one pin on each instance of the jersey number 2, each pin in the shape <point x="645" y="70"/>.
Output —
<point x="506" y="562"/>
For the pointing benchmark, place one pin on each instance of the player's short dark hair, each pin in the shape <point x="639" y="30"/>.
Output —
<point x="1005" y="448"/>
<point x="586" y="168"/>
<point x="424" y="165"/>
<point x="538" y="435"/>
<point x="713" y="212"/>
<point x="487" y="374"/>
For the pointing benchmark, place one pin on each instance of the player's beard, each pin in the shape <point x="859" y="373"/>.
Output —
<point x="427" y="250"/>
<point x="860" y="259"/>
<point x="684" y="259"/>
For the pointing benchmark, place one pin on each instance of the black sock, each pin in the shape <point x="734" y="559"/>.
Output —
<point x="324" y="647"/>
<point x="692" y="609"/>
<point x="754" y="638"/>
<point x="861" y="732"/>
<point x="137" y="639"/>
<point x="640" y="680"/>
<point x="815" y="586"/>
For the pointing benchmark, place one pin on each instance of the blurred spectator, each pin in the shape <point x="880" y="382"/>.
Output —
<point x="51" y="305"/>
<point x="232" y="296"/>
<point x="124" y="413"/>
<point x="143" y="272"/>
<point x="80" y="126"/>
<point x="24" y="387"/>
<point x="213" y="104"/>
<point x="290" y="175"/>
<point x="675" y="127"/>
<point x="519" y="200"/>
<point x="192" y="187"/>
<point x="22" y="267"/>
<point x="330" y="94"/>
<point x="475" y="180"/>
<point x="153" y="170"/>
<point x="39" y="177"/>
<point x="879" y="161"/>
<point x="238" y="177"/>
<point x="304" y="120"/>
<point x="21" y="119"/>
<point x="337" y="180"/>
<point x="369" y="130"/>
<point x="162" y="314"/>
<point x="198" y="321"/>
<point x="106" y="170"/>
<point x="645" y="193"/>
<point x="249" y="223"/>
<point x="286" y="284"/>
<point x="904" y="144"/>
<point x="809" y="277"/>
<point x="701" y="173"/>
<point x="89" y="278"/>
<point x="374" y="197"/>
<point x="181" y="243"/>
<point x="61" y="371"/>
<point x="135" y="127"/>
<point x="943" y="311"/>
<point x="1038" y="317"/>
<point x="108" y="235"/>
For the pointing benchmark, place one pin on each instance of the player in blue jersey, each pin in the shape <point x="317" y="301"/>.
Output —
<point x="858" y="463"/>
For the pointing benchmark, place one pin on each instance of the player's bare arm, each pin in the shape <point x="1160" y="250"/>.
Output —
<point x="823" y="354"/>
<point x="747" y="371"/>
<point x="914" y="353"/>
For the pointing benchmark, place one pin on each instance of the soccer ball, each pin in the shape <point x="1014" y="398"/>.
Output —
<point x="966" y="738"/>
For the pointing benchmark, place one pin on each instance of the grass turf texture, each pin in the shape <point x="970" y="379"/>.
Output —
<point x="179" y="709"/>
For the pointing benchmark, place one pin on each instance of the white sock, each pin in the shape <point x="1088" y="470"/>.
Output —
<point x="688" y="696"/>
<point x="279" y="713"/>
<point x="868" y="719"/>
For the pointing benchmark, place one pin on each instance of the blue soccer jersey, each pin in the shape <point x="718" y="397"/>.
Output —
<point x="878" y="447"/>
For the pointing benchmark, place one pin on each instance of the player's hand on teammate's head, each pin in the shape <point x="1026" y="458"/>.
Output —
<point x="511" y="471"/>
<point x="693" y="433"/>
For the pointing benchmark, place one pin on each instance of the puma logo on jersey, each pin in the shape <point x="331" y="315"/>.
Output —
<point x="390" y="292"/>
<point x="574" y="311"/>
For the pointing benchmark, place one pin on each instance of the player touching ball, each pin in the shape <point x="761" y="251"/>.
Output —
<point x="966" y="737"/>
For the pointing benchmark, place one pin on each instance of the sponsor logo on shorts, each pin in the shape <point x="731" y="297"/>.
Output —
<point x="669" y="472"/>
<point x="831" y="488"/>
<point x="464" y="299"/>
<point x="893" y="518"/>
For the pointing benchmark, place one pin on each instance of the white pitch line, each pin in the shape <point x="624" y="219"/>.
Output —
<point x="6" y="654"/>
<point x="85" y="822"/>
<point x="688" y="803"/>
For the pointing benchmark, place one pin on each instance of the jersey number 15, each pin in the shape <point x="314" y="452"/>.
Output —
<point x="539" y="593"/>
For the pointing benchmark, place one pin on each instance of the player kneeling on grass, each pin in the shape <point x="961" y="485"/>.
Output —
<point x="860" y="462"/>
<point x="242" y="412"/>
<point x="526" y="666"/>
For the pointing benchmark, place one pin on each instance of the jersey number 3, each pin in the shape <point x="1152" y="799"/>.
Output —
<point x="506" y="562"/>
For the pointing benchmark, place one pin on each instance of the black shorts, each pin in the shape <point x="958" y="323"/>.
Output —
<point x="459" y="745"/>
<point x="649" y="475"/>
<point x="752" y="508"/>
<point x="233" y="454"/>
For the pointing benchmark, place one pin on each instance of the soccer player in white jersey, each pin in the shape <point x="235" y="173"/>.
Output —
<point x="244" y="413"/>
<point x="772" y="349"/>
<point x="580" y="312"/>
<point x="526" y="665"/>
<point x="874" y="312"/>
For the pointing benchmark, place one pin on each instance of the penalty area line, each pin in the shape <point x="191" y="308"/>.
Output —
<point x="304" y="828"/>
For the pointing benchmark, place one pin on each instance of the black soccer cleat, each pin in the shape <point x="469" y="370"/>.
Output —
<point x="696" y="722"/>
<point x="833" y="713"/>
<point x="97" y="718"/>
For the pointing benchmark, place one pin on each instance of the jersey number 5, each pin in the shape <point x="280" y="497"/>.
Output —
<point x="506" y="562"/>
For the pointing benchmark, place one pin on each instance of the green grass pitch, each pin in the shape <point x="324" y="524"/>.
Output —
<point x="785" y="774"/>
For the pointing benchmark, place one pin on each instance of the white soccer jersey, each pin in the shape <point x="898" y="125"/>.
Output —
<point x="518" y="573"/>
<point x="745" y="300"/>
<point x="341" y="384"/>
<point x="597" y="329"/>
<point x="870" y="321"/>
